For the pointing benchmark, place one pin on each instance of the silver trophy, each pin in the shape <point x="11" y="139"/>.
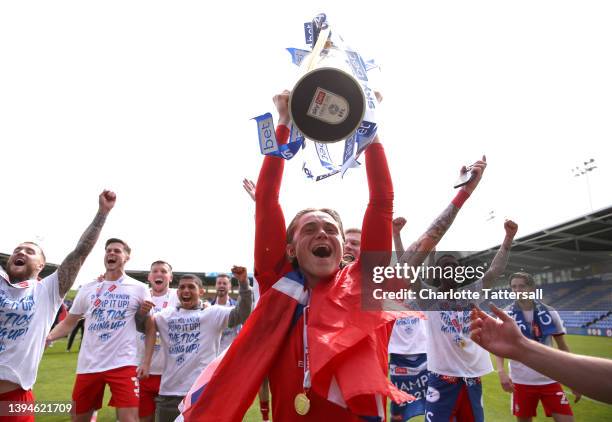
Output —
<point x="329" y="101"/>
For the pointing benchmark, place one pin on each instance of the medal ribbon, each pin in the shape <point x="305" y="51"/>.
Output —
<point x="307" y="380"/>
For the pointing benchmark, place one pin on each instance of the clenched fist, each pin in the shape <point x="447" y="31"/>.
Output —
<point x="106" y="201"/>
<point x="240" y="273"/>
<point x="511" y="228"/>
<point x="398" y="224"/>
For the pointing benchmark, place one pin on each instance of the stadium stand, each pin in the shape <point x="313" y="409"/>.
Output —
<point x="579" y="302"/>
<point x="603" y="323"/>
<point x="571" y="263"/>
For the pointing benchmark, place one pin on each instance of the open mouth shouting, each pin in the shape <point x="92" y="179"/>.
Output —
<point x="188" y="299"/>
<point x="348" y="257"/>
<point x="19" y="261"/>
<point x="321" y="251"/>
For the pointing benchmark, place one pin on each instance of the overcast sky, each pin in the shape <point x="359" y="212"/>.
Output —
<point x="154" y="99"/>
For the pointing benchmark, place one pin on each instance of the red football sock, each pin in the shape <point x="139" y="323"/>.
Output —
<point x="264" y="407"/>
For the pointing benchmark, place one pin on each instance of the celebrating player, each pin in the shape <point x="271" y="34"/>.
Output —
<point x="541" y="323"/>
<point x="408" y="353"/>
<point x="307" y="306"/>
<point x="162" y="297"/>
<point x="190" y="339"/>
<point x="223" y="285"/>
<point x="585" y="374"/>
<point x="108" y="353"/>
<point x="28" y="306"/>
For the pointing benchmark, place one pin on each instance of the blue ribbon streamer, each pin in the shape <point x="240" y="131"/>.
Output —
<point x="268" y="144"/>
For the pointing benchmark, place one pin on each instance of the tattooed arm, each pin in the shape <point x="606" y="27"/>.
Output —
<point x="498" y="265"/>
<point x="71" y="265"/>
<point x="418" y="251"/>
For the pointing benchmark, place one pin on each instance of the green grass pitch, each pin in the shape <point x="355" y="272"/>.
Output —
<point x="57" y="372"/>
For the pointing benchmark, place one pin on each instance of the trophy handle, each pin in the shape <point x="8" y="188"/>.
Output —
<point x="313" y="59"/>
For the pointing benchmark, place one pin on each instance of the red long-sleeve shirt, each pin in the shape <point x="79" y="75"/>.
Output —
<point x="286" y="375"/>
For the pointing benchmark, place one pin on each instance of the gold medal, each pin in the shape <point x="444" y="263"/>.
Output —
<point x="302" y="404"/>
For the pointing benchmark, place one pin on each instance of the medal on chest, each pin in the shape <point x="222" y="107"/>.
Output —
<point x="301" y="401"/>
<point x="301" y="404"/>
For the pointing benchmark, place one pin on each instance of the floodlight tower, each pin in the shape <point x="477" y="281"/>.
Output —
<point x="584" y="170"/>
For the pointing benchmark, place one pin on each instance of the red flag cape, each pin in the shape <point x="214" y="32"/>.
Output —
<point x="348" y="349"/>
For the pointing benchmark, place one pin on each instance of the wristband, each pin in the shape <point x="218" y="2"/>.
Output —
<point x="460" y="198"/>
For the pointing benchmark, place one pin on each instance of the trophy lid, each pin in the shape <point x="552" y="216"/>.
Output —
<point x="327" y="104"/>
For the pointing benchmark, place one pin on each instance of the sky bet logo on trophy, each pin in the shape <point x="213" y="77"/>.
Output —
<point x="330" y="102"/>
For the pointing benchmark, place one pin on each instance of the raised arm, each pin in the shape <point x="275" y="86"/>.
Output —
<point x="270" y="232"/>
<point x="69" y="268"/>
<point x="249" y="187"/>
<point x="588" y="375"/>
<point x="498" y="265"/>
<point x="398" y="225"/>
<point x="418" y="251"/>
<point x="242" y="310"/>
<point x="376" y="230"/>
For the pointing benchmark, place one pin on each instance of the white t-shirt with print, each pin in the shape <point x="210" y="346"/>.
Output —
<point x="190" y="340"/>
<point x="521" y="374"/>
<point x="450" y="351"/>
<point x="408" y="337"/>
<point x="169" y="300"/>
<point x="110" y="340"/>
<point x="26" y="316"/>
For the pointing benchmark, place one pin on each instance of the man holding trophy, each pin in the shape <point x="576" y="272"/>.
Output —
<point x="325" y="358"/>
<point x="305" y="298"/>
